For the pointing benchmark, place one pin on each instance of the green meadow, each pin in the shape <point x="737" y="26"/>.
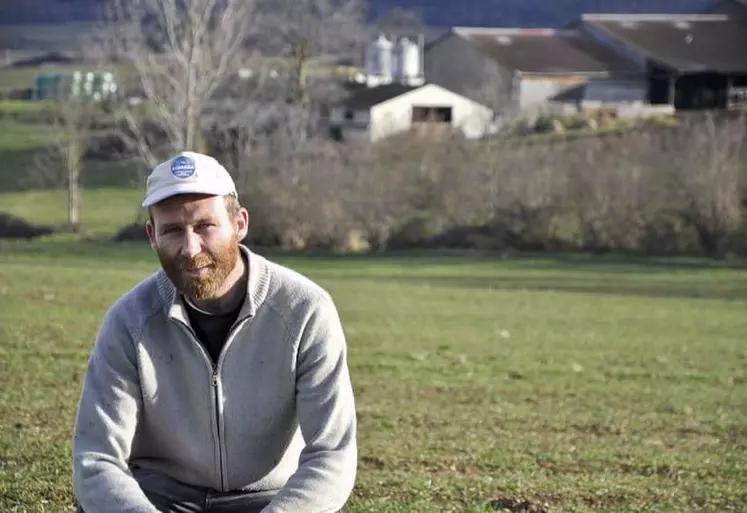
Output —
<point x="482" y="384"/>
<point x="536" y="383"/>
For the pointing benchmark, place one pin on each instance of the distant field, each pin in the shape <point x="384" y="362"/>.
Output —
<point x="16" y="137"/>
<point x="32" y="187"/>
<point x="103" y="211"/>
<point x="20" y="78"/>
<point x="23" y="77"/>
<point x="563" y="385"/>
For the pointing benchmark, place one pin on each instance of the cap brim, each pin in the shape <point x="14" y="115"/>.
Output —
<point x="187" y="188"/>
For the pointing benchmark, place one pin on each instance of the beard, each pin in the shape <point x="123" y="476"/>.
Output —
<point x="220" y="262"/>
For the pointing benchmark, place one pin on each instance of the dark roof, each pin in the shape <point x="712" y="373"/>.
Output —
<point x="361" y="96"/>
<point x="547" y="51"/>
<point x="728" y="7"/>
<point x="692" y="43"/>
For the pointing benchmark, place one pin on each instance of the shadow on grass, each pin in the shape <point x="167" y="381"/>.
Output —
<point x="610" y="262"/>
<point x="619" y="263"/>
<point x="616" y="263"/>
<point x="576" y="273"/>
<point x="681" y="289"/>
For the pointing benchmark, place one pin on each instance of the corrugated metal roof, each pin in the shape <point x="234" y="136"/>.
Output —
<point x="686" y="43"/>
<point x="546" y="51"/>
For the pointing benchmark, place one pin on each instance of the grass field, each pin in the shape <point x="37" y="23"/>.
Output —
<point x="575" y="384"/>
<point x="110" y="195"/>
<point x="539" y="384"/>
<point x="103" y="211"/>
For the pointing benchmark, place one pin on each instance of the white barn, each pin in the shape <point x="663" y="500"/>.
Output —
<point x="377" y="112"/>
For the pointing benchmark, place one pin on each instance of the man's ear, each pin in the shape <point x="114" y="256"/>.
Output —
<point x="242" y="223"/>
<point x="150" y="229"/>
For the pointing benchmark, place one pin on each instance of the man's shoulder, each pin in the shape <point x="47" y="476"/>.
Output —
<point x="290" y="290"/>
<point x="290" y="281"/>
<point x="138" y="304"/>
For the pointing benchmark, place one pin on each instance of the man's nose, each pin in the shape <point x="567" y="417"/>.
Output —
<point x="192" y="245"/>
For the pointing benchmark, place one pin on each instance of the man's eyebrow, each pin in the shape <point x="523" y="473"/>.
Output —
<point x="167" y="226"/>
<point x="204" y="219"/>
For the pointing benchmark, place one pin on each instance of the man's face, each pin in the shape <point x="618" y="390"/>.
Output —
<point x="196" y="241"/>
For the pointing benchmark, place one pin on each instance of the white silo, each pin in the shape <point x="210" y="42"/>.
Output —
<point x="408" y="60"/>
<point x="397" y="62"/>
<point x="379" y="60"/>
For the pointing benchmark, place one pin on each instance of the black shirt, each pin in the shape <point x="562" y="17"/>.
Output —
<point x="212" y="329"/>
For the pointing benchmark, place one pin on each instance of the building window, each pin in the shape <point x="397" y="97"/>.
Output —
<point x="349" y="114"/>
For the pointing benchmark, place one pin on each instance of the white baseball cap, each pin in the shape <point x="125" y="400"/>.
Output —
<point x="188" y="173"/>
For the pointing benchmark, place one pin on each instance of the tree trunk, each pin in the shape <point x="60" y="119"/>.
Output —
<point x="299" y="86"/>
<point x="73" y="198"/>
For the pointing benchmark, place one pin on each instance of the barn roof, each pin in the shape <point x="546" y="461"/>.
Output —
<point x="684" y="43"/>
<point x="546" y="51"/>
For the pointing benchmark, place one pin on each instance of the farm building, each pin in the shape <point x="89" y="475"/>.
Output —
<point x="517" y="69"/>
<point x="635" y="62"/>
<point x="692" y="61"/>
<point x="377" y="112"/>
<point x="393" y="97"/>
<point x="474" y="78"/>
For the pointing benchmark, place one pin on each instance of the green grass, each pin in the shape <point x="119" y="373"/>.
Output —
<point x="17" y="137"/>
<point x="19" y="143"/>
<point x="586" y="384"/>
<point x="22" y="150"/>
<point x="23" y="106"/>
<point x="111" y="192"/>
<point x="102" y="211"/>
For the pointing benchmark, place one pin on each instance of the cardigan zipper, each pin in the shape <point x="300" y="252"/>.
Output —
<point x="217" y="404"/>
<point x="214" y="403"/>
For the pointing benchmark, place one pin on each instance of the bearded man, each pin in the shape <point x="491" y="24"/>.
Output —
<point x="219" y="383"/>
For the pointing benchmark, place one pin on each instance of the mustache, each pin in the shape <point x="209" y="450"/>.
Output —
<point x="190" y="264"/>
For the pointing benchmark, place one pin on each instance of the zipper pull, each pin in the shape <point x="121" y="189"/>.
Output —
<point x="215" y="378"/>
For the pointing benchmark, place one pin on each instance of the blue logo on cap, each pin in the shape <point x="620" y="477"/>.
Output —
<point x="182" y="167"/>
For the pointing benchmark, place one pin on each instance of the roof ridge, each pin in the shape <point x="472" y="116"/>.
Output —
<point x="504" y="31"/>
<point x="654" y="17"/>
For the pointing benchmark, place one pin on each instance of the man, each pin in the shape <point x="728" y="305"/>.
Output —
<point x="219" y="383"/>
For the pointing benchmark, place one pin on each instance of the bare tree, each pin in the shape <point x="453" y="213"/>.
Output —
<point x="414" y="187"/>
<point x="707" y="167"/>
<point x="183" y="53"/>
<point x="60" y="163"/>
<point x="614" y="194"/>
<point x="304" y="30"/>
<point x="530" y="190"/>
<point x="297" y="197"/>
<point x="653" y="190"/>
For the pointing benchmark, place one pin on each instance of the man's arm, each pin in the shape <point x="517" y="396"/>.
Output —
<point x="326" y="412"/>
<point x="105" y="425"/>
